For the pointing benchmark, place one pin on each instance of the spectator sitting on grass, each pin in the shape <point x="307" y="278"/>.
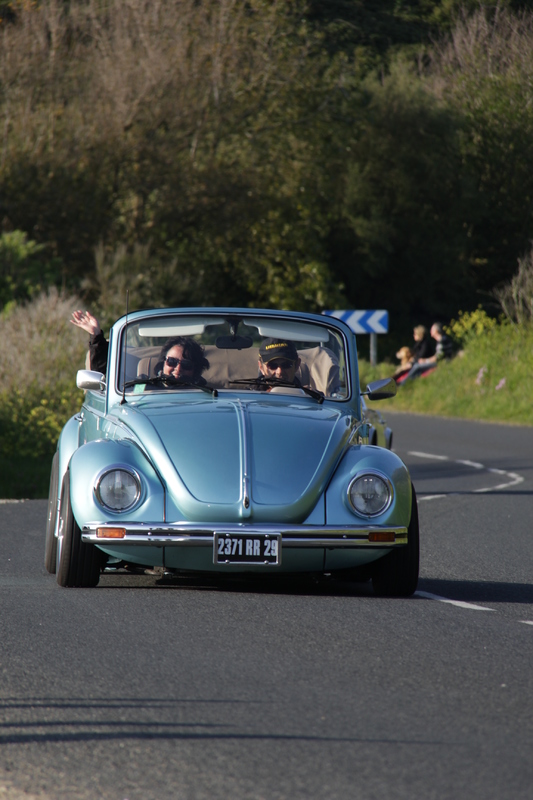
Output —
<point x="422" y="347"/>
<point x="444" y="350"/>
<point x="410" y="355"/>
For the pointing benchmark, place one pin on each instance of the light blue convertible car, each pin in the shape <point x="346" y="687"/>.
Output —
<point x="231" y="441"/>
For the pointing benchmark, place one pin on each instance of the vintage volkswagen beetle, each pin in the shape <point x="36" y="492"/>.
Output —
<point x="237" y="471"/>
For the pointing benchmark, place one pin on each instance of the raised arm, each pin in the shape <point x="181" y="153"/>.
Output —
<point x="86" y="321"/>
<point x="98" y="346"/>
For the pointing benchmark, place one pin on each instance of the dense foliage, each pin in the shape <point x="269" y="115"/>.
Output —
<point x="250" y="152"/>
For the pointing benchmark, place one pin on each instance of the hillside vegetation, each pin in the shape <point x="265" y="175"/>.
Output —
<point x="269" y="153"/>
<point x="263" y="153"/>
<point x="491" y="379"/>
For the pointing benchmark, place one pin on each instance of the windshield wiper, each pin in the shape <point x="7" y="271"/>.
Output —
<point x="262" y="380"/>
<point x="171" y="382"/>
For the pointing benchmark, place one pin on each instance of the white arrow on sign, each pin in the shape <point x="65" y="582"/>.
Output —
<point x="363" y="321"/>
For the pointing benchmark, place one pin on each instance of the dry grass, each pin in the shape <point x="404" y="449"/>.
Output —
<point x="41" y="349"/>
<point x="40" y="355"/>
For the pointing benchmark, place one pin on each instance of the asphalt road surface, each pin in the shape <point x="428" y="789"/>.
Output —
<point x="144" y="690"/>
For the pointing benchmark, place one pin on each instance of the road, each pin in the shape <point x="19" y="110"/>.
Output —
<point x="142" y="690"/>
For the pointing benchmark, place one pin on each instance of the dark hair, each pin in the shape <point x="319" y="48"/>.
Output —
<point x="191" y="350"/>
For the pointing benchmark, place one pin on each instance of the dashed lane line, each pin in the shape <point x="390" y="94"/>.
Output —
<point x="428" y="455"/>
<point x="515" y="479"/>
<point x="514" y="476"/>
<point x="459" y="603"/>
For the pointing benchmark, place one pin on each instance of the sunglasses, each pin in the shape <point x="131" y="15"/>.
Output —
<point x="172" y="362"/>
<point x="280" y="363"/>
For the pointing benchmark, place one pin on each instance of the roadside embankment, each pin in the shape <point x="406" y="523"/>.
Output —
<point x="490" y="378"/>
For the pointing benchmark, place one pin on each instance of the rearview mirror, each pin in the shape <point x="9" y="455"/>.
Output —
<point x="234" y="342"/>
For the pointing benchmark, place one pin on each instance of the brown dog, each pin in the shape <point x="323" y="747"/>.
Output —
<point x="405" y="357"/>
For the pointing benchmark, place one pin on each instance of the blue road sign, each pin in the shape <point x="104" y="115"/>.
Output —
<point x="363" y="321"/>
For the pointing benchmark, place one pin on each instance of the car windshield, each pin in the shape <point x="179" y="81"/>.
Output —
<point x="233" y="353"/>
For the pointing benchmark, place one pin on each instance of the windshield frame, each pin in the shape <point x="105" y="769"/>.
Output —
<point x="159" y="324"/>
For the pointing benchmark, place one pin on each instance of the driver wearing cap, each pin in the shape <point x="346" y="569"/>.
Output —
<point x="278" y="358"/>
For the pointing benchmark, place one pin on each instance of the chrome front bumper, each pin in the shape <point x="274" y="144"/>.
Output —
<point x="193" y="535"/>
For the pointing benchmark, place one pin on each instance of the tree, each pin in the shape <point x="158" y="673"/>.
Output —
<point x="484" y="72"/>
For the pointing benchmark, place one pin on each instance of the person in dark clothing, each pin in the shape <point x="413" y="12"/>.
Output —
<point x="278" y="358"/>
<point x="180" y="358"/>
<point x="98" y="344"/>
<point x="422" y="347"/>
<point x="443" y="350"/>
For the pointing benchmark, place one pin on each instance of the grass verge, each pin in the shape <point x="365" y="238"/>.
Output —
<point x="490" y="379"/>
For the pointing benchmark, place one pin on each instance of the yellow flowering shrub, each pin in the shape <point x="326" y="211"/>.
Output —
<point x="472" y="324"/>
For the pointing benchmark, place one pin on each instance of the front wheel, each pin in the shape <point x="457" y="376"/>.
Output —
<point x="78" y="563"/>
<point x="396" y="574"/>
<point x="50" y="544"/>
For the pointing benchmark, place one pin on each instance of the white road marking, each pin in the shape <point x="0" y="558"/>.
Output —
<point x="514" y="476"/>
<point x="474" y="464"/>
<point x="459" y="603"/>
<point x="515" y="479"/>
<point x="428" y="455"/>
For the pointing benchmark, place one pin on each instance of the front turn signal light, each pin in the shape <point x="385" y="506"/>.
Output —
<point x="381" y="536"/>
<point x="110" y="533"/>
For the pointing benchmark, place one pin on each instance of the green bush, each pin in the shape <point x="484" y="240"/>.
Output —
<point x="471" y="325"/>
<point x="24" y="270"/>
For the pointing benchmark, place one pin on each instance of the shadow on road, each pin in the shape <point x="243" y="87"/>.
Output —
<point x="466" y="591"/>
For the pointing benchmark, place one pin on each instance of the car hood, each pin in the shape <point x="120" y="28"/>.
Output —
<point x="242" y="460"/>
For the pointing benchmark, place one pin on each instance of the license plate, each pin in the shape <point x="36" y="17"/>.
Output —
<point x="257" y="548"/>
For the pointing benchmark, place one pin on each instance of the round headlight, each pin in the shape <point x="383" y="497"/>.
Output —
<point x="370" y="494"/>
<point x="118" y="489"/>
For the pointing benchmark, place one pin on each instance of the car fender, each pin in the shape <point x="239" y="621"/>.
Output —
<point x="367" y="457"/>
<point x="91" y="460"/>
<point x="67" y="445"/>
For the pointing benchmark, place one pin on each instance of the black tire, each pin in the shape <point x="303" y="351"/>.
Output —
<point x="78" y="563"/>
<point x="396" y="574"/>
<point x="50" y="544"/>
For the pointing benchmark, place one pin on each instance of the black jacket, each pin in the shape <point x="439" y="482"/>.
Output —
<point x="98" y="349"/>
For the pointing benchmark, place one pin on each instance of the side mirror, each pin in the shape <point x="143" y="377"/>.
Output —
<point x="381" y="390"/>
<point x="87" y="379"/>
